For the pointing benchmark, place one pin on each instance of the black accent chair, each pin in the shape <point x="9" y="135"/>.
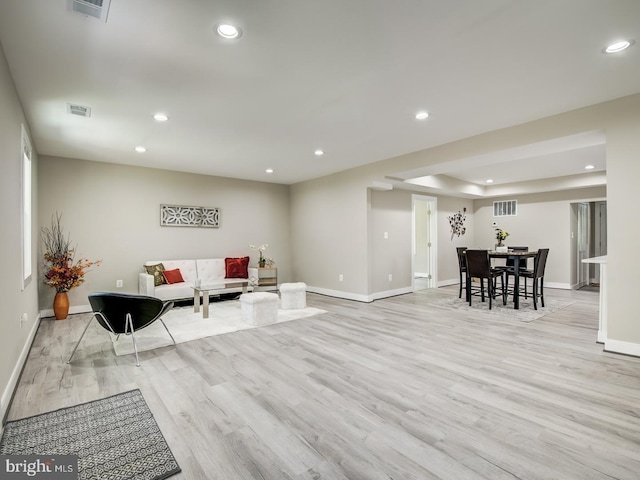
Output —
<point x="462" y="267"/>
<point x="479" y="266"/>
<point x="537" y="275"/>
<point x="122" y="313"/>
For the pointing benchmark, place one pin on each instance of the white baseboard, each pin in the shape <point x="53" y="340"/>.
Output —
<point x="72" y="310"/>
<point x="358" y="297"/>
<point x="17" y="369"/>
<point x="446" y="283"/>
<point x="421" y="275"/>
<point x="390" y="293"/>
<point x="618" y="346"/>
<point x="561" y="286"/>
<point x="338" y="294"/>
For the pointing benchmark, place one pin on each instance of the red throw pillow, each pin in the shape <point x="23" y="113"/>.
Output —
<point x="173" y="276"/>
<point x="236" y="267"/>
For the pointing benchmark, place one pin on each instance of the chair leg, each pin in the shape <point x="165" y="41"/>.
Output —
<point x="535" y="294"/>
<point x="81" y="337"/>
<point x="165" y="327"/>
<point x="133" y="337"/>
<point x="490" y="291"/>
<point x="482" y="289"/>
<point x="542" y="291"/>
<point x="504" y="291"/>
<point x="460" y="293"/>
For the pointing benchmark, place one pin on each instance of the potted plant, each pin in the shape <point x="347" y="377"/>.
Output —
<point x="501" y="235"/>
<point x="61" y="270"/>
<point x="260" y="249"/>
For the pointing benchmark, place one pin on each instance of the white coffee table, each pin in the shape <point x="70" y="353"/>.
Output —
<point x="203" y="290"/>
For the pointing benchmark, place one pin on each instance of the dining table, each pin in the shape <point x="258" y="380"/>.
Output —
<point x="517" y="257"/>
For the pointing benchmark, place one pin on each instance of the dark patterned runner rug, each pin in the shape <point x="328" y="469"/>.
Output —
<point x="115" y="438"/>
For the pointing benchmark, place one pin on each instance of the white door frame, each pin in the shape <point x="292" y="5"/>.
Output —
<point x="432" y="239"/>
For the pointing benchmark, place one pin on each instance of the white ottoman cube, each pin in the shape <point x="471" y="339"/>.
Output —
<point x="259" y="308"/>
<point x="293" y="295"/>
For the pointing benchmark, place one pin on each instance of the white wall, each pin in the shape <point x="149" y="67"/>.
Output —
<point x="329" y="228"/>
<point x="390" y="212"/>
<point x="112" y="213"/>
<point x="15" y="338"/>
<point x="448" y="272"/>
<point x="623" y="229"/>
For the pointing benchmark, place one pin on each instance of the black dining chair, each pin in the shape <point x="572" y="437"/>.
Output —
<point x="509" y="264"/>
<point x="122" y="313"/>
<point x="537" y="275"/>
<point x="462" y="268"/>
<point x="479" y="266"/>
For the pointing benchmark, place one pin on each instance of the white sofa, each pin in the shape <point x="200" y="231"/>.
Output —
<point x="210" y="271"/>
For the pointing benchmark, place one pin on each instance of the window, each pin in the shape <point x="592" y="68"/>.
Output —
<point x="505" y="208"/>
<point x="26" y="209"/>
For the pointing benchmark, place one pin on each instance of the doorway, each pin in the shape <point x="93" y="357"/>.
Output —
<point x="424" y="248"/>
<point x="590" y="241"/>
<point x="583" y="244"/>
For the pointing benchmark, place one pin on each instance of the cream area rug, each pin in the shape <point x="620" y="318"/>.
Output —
<point x="525" y="313"/>
<point x="185" y="325"/>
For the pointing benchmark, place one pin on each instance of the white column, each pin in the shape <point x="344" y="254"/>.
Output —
<point x="602" y="322"/>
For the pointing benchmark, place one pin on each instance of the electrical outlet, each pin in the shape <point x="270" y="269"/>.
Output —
<point x="340" y="277"/>
<point x="386" y="235"/>
<point x="390" y="277"/>
<point x="119" y="284"/>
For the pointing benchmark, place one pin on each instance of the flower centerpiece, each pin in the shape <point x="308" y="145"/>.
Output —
<point x="501" y="235"/>
<point x="260" y="249"/>
<point x="61" y="270"/>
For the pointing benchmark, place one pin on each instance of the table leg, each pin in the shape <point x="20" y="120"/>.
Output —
<point x="516" y="282"/>
<point x="196" y="301"/>
<point x="205" y="304"/>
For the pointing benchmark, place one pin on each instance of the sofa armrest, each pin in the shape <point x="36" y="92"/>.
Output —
<point x="146" y="285"/>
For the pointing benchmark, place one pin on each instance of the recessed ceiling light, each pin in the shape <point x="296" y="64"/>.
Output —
<point x="489" y="180"/>
<point x="161" y="117"/>
<point x="422" y="115"/>
<point x="269" y="170"/>
<point x="140" y="149"/>
<point x="228" y="31"/>
<point x="318" y="153"/>
<point x="618" y="46"/>
<point x="589" y="167"/>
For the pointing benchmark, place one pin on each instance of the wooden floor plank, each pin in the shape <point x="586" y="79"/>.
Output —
<point x="400" y="388"/>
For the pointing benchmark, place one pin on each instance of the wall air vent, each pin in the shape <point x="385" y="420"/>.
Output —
<point x="93" y="8"/>
<point x="78" y="110"/>
<point x="505" y="208"/>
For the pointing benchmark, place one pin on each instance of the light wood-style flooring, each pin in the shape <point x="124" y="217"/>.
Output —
<point x="395" y="389"/>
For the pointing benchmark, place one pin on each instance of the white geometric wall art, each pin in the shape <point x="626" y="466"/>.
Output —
<point x="187" y="216"/>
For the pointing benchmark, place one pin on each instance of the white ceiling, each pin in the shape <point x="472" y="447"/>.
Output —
<point x="344" y="76"/>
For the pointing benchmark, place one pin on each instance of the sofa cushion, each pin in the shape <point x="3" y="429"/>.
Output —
<point x="156" y="271"/>
<point x="187" y="268"/>
<point x="173" y="276"/>
<point x="236" y="267"/>
<point x="210" y="269"/>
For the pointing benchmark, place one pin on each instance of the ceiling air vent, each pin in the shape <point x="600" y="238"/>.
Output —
<point x="78" y="110"/>
<point x="93" y="8"/>
<point x="505" y="208"/>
